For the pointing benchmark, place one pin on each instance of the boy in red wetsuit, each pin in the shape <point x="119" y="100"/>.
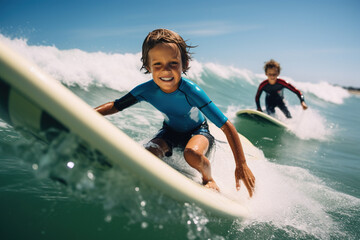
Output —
<point x="274" y="88"/>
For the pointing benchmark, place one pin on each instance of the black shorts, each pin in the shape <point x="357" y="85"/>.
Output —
<point x="180" y="139"/>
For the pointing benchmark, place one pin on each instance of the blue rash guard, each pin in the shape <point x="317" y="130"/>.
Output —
<point x="183" y="109"/>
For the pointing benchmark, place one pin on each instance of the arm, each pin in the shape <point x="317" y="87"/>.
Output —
<point x="296" y="91"/>
<point x="257" y="100"/>
<point x="212" y="112"/>
<point x="118" y="105"/>
<point x="107" y="109"/>
<point x="258" y="95"/>
<point x="242" y="171"/>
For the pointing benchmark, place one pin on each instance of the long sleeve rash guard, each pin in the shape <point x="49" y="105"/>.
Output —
<point x="183" y="109"/>
<point x="276" y="89"/>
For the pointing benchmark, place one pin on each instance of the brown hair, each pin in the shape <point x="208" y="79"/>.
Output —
<point x="165" y="36"/>
<point x="272" y="64"/>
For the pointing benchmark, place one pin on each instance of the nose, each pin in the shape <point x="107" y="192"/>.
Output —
<point x="167" y="68"/>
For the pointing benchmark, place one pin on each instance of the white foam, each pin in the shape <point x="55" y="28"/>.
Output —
<point x="230" y="72"/>
<point x="322" y="90"/>
<point x="77" y="67"/>
<point x="306" y="124"/>
<point x="288" y="197"/>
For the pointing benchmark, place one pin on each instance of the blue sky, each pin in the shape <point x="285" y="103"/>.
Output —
<point x="314" y="40"/>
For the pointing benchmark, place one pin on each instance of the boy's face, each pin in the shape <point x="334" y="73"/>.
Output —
<point x="272" y="74"/>
<point x="165" y="66"/>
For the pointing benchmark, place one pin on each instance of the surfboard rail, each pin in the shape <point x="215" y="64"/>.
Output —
<point x="252" y="112"/>
<point x="33" y="93"/>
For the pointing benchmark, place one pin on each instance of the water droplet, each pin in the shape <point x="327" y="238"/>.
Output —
<point x="144" y="213"/>
<point x="144" y="225"/>
<point x="70" y="164"/>
<point x="108" y="218"/>
<point x="90" y="175"/>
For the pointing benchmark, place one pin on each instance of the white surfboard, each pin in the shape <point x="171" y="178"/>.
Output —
<point x="260" y="117"/>
<point x="31" y="98"/>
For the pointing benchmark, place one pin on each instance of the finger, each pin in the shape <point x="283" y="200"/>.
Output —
<point x="252" y="181"/>
<point x="237" y="185"/>
<point x="237" y="180"/>
<point x="249" y="188"/>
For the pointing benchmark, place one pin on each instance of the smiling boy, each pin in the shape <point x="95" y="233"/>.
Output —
<point x="165" y="55"/>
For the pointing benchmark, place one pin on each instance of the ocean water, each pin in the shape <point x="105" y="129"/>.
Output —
<point x="307" y="179"/>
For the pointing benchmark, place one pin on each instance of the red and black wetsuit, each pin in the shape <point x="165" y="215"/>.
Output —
<point x="275" y="96"/>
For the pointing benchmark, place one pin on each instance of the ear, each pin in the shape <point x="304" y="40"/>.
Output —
<point x="149" y="69"/>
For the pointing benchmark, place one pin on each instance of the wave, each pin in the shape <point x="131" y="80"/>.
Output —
<point x="325" y="91"/>
<point x="121" y="72"/>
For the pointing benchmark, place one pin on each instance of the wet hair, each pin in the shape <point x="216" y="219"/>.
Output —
<point x="272" y="64"/>
<point x="165" y="36"/>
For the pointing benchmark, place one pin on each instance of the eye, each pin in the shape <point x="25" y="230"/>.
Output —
<point x="156" y="64"/>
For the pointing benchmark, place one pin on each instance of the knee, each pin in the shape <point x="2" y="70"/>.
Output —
<point x="150" y="146"/>
<point x="155" y="149"/>
<point x="190" y="152"/>
<point x="194" y="158"/>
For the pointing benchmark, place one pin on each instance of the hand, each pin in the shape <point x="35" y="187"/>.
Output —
<point x="304" y="106"/>
<point x="244" y="173"/>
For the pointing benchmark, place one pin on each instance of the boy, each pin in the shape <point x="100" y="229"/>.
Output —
<point x="166" y="55"/>
<point x="274" y="88"/>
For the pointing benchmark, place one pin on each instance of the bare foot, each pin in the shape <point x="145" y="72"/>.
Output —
<point x="212" y="185"/>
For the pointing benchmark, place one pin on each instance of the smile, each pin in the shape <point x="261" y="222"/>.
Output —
<point x="167" y="79"/>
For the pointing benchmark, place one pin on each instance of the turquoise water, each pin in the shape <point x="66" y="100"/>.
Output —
<point x="307" y="180"/>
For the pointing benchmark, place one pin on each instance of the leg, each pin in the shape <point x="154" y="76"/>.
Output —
<point x="158" y="147"/>
<point x="284" y="109"/>
<point x="194" y="154"/>
<point x="270" y="107"/>
<point x="270" y="110"/>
